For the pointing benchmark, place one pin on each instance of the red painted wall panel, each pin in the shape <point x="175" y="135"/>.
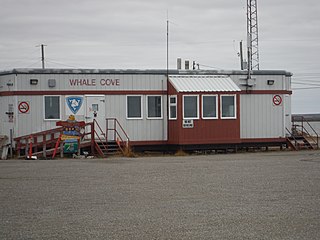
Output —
<point x="205" y="131"/>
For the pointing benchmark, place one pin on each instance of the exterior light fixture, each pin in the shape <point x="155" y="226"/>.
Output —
<point x="270" y="82"/>
<point x="33" y="81"/>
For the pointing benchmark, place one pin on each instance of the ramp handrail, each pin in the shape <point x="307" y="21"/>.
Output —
<point x="39" y="139"/>
<point x="45" y="140"/>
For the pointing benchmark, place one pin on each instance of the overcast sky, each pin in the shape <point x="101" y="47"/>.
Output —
<point x="125" y="34"/>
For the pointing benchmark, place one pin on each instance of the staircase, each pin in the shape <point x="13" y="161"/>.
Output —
<point x="300" y="138"/>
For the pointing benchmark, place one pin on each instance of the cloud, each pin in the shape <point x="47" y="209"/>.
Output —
<point x="132" y="33"/>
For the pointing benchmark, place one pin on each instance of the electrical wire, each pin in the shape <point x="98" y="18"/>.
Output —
<point x="62" y="64"/>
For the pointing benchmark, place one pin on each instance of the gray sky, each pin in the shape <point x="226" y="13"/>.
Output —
<point x="132" y="34"/>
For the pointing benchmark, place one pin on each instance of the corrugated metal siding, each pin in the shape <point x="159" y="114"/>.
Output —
<point x="127" y="82"/>
<point x="281" y="82"/>
<point x="137" y="129"/>
<point x="203" y="83"/>
<point x="259" y="118"/>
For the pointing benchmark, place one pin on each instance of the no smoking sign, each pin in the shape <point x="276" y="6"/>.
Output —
<point x="23" y="107"/>
<point x="277" y="100"/>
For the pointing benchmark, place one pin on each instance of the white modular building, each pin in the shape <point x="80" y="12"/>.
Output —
<point x="159" y="108"/>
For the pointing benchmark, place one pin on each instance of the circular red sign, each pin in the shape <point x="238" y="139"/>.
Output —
<point x="23" y="107"/>
<point x="277" y="100"/>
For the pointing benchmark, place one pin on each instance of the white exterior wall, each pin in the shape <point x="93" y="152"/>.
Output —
<point x="138" y="129"/>
<point x="259" y="117"/>
<point x="115" y="105"/>
<point x="5" y="101"/>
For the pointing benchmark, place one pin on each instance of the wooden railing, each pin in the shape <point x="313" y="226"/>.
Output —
<point x="41" y="140"/>
<point x="43" y="143"/>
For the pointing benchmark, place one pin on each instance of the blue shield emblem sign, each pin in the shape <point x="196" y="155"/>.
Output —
<point x="74" y="103"/>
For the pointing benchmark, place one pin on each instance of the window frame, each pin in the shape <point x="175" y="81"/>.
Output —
<point x="183" y="104"/>
<point x="44" y="108"/>
<point x="235" y="105"/>
<point x="173" y="105"/>
<point x="216" y="106"/>
<point x="147" y="107"/>
<point x="141" y="107"/>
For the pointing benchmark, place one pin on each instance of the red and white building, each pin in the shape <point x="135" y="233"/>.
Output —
<point x="192" y="109"/>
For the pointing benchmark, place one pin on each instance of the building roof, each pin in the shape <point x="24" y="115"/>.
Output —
<point x="203" y="83"/>
<point x="141" y="71"/>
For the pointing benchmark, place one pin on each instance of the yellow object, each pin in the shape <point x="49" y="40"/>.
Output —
<point x="71" y="118"/>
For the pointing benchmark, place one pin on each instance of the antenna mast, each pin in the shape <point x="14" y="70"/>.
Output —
<point x="252" y="35"/>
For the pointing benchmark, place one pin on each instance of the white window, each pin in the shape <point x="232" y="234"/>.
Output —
<point x="134" y="107"/>
<point x="51" y="107"/>
<point x="209" y="107"/>
<point x="228" y="107"/>
<point x="173" y="107"/>
<point x="154" y="107"/>
<point x="190" y="107"/>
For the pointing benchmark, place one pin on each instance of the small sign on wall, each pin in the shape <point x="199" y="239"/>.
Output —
<point x="24" y="107"/>
<point x="277" y="100"/>
<point x="187" y="123"/>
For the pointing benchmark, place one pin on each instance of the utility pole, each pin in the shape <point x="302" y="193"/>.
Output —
<point x="42" y="54"/>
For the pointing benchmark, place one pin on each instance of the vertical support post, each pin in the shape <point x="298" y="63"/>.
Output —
<point x="11" y="143"/>
<point x="78" y="147"/>
<point x="107" y="129"/>
<point x="92" y="137"/>
<point x="44" y="148"/>
<point x="115" y="130"/>
<point x="61" y="149"/>
<point x="35" y="142"/>
<point x="27" y="147"/>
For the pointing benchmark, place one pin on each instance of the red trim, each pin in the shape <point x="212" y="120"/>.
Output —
<point x="262" y="140"/>
<point x="266" y="92"/>
<point x="83" y="92"/>
<point x="145" y="143"/>
<point x="233" y="141"/>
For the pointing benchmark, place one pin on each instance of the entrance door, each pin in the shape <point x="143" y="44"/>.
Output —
<point x="95" y="110"/>
<point x="287" y="113"/>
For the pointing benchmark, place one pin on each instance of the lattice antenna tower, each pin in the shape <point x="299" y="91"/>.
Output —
<point x="252" y="35"/>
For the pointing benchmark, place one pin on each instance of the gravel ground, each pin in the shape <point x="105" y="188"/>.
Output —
<point x="272" y="195"/>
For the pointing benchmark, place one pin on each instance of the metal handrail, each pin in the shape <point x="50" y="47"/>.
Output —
<point x="304" y="130"/>
<point x="96" y="133"/>
<point x="116" y="132"/>
<point x="291" y="135"/>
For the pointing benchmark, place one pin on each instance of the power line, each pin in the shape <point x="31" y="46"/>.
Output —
<point x="311" y="84"/>
<point x="307" y="88"/>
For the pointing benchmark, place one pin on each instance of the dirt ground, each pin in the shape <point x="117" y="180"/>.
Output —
<point x="264" y="195"/>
